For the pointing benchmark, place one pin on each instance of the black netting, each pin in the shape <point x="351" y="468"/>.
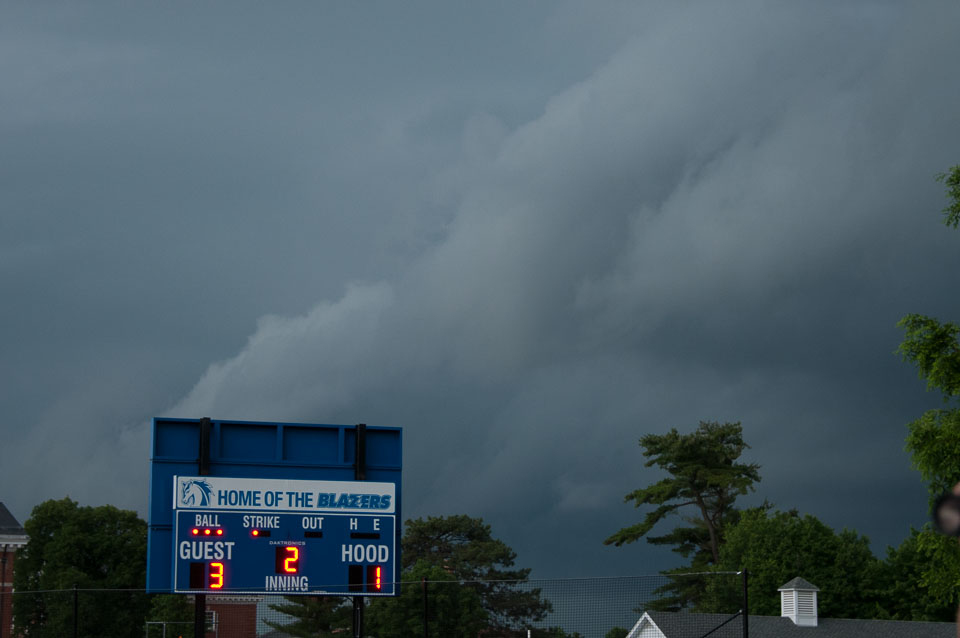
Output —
<point x="682" y="606"/>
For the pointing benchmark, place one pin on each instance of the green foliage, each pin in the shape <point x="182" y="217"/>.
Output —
<point x="934" y="439"/>
<point x="933" y="348"/>
<point x="952" y="181"/>
<point x="704" y="475"/>
<point x="554" y="632"/>
<point x="941" y="573"/>
<point x="778" y="546"/>
<point x="315" y="616"/>
<point x="926" y="558"/>
<point x="463" y="546"/>
<point x="453" y="609"/>
<point x="910" y="590"/>
<point x="175" y="610"/>
<point x="468" y="576"/>
<point x="465" y="549"/>
<point x="617" y="632"/>
<point x="88" y="548"/>
<point x="934" y="445"/>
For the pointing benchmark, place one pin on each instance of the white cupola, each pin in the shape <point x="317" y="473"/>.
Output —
<point x="798" y="602"/>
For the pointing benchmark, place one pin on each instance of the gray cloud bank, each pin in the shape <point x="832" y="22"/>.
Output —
<point x="721" y="216"/>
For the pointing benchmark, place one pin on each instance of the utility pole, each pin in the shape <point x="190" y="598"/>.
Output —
<point x="3" y="590"/>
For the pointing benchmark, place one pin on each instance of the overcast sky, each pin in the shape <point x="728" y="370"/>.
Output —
<point x="526" y="233"/>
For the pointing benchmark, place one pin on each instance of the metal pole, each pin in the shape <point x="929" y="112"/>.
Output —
<point x="358" y="616"/>
<point x="359" y="474"/>
<point x="76" y="612"/>
<point x="746" y="608"/>
<point x="203" y="469"/>
<point x="426" y="616"/>
<point x="200" y="616"/>
<point x="3" y="589"/>
<point x="360" y="458"/>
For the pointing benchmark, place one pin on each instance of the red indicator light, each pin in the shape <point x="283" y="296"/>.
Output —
<point x="255" y="532"/>
<point x="207" y="532"/>
<point x="195" y="531"/>
<point x="219" y="532"/>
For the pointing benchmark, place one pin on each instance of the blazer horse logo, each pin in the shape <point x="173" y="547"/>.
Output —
<point x="195" y="493"/>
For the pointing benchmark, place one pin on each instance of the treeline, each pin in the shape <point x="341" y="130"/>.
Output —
<point x="915" y="581"/>
<point x="706" y="477"/>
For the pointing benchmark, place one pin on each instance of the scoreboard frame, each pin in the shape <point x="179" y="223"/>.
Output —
<point x="227" y="498"/>
<point x="254" y="536"/>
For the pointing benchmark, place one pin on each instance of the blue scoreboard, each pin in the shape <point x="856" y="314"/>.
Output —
<point x="248" y="536"/>
<point x="275" y="510"/>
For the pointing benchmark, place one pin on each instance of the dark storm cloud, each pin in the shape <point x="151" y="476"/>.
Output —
<point x="714" y="213"/>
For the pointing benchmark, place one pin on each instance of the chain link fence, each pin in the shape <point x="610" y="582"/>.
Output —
<point x="682" y="606"/>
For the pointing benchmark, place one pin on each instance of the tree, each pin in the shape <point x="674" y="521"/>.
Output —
<point x="315" y="616"/>
<point x="951" y="178"/>
<point x="452" y="609"/>
<point x="175" y="612"/>
<point x="87" y="548"/>
<point x="905" y="592"/>
<point x="934" y="349"/>
<point x="703" y="475"/>
<point x="471" y="583"/>
<point x="778" y="546"/>
<point x="933" y="439"/>
<point x="554" y="632"/>
<point x="465" y="549"/>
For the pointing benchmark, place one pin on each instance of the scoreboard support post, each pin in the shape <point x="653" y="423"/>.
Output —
<point x="359" y="474"/>
<point x="203" y="469"/>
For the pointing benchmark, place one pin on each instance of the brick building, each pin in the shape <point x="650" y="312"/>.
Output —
<point x="234" y="616"/>
<point x="12" y="537"/>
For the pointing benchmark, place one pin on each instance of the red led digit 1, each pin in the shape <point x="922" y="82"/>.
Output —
<point x="374" y="578"/>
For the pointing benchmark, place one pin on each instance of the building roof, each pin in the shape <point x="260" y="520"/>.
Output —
<point x="9" y="526"/>
<point x="686" y="625"/>
<point x="799" y="583"/>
